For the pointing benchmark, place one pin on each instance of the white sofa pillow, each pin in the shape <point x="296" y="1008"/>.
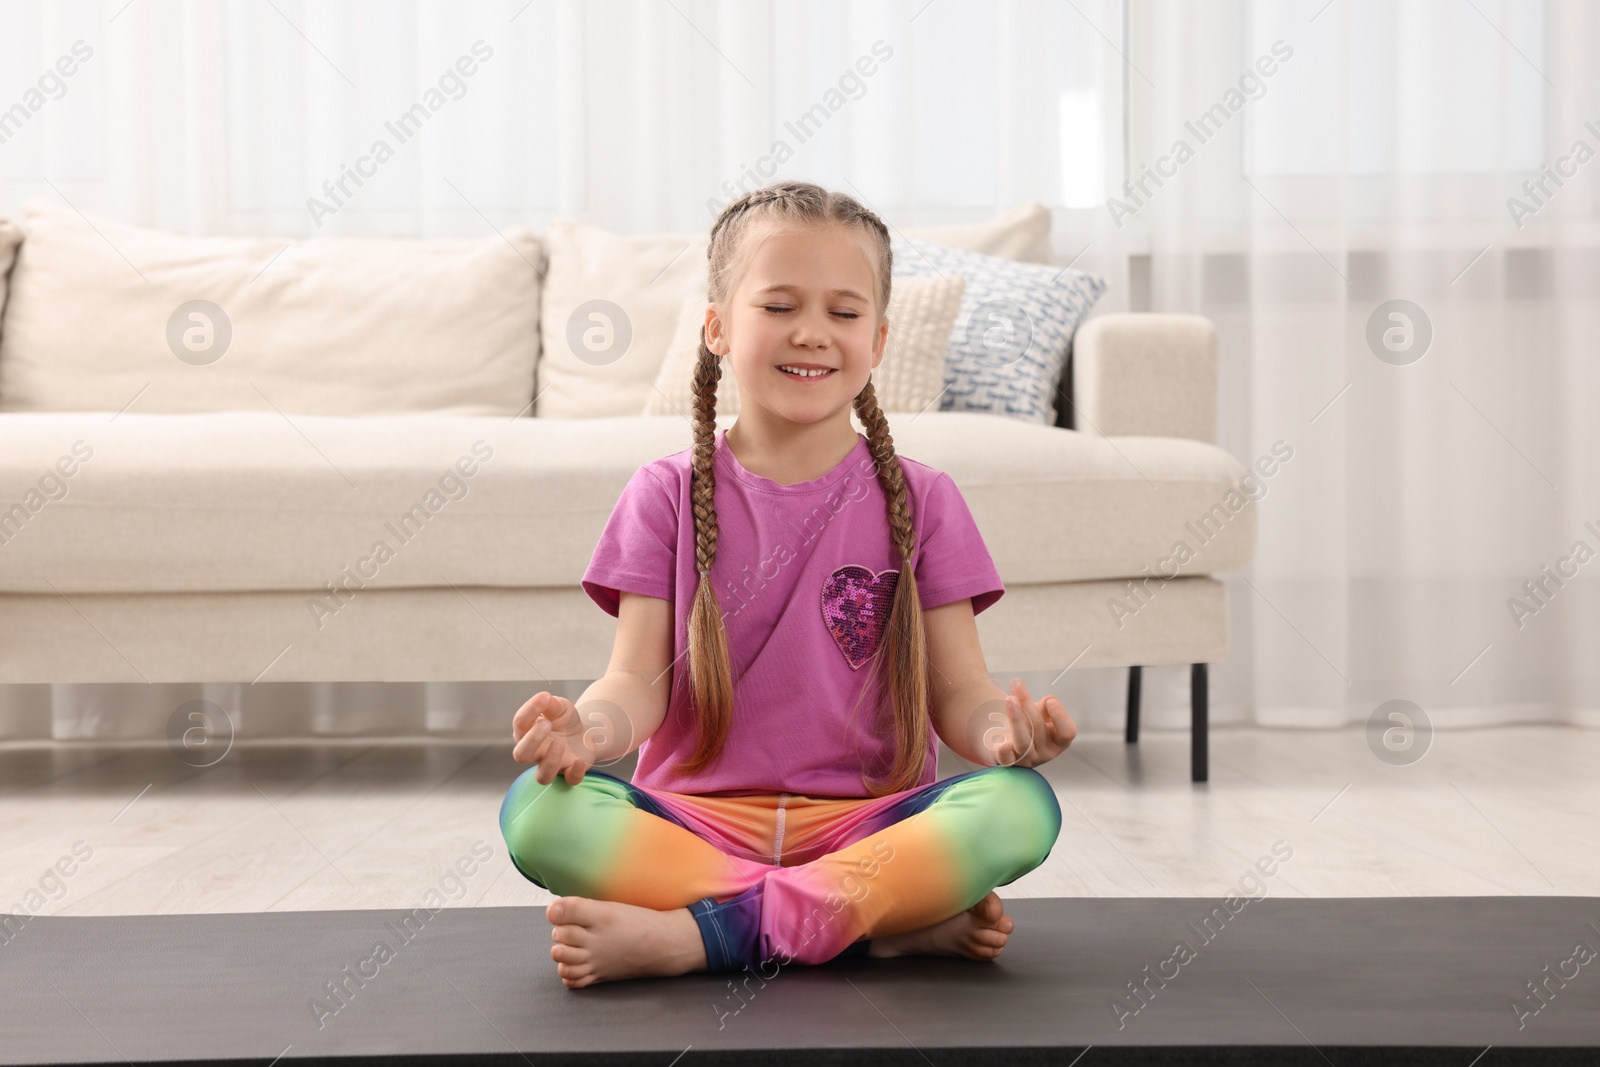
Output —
<point x="612" y="303"/>
<point x="102" y="314"/>
<point x="610" y="306"/>
<point x="910" y="376"/>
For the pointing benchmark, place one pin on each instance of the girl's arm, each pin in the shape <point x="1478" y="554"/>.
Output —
<point x="629" y="702"/>
<point x="969" y="711"/>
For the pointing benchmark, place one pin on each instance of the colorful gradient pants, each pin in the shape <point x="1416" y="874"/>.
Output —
<point x="786" y="877"/>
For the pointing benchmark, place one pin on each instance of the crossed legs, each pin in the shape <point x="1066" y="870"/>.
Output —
<point x="852" y="877"/>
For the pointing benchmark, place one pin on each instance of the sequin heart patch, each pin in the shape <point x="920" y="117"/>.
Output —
<point x="855" y="608"/>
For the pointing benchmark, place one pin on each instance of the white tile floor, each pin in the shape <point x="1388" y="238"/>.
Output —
<point x="289" y="826"/>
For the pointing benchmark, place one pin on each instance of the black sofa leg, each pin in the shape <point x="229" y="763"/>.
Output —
<point x="1197" y="724"/>
<point x="1133" y="704"/>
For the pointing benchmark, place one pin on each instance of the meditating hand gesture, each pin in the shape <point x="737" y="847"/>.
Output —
<point x="548" y="731"/>
<point x="1033" y="733"/>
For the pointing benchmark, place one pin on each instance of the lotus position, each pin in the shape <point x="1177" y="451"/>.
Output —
<point x="795" y="609"/>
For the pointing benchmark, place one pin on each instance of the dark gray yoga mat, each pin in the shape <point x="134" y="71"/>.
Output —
<point x="1342" y="981"/>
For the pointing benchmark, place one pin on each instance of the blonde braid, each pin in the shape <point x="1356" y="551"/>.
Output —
<point x="904" y="644"/>
<point x="710" y="668"/>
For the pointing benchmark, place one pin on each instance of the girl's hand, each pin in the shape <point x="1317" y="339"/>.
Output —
<point x="547" y="731"/>
<point x="1038" y="732"/>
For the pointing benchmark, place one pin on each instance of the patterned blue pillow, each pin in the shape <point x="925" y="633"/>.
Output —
<point x="1012" y="334"/>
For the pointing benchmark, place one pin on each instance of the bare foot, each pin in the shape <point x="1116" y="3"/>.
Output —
<point x="602" y="941"/>
<point x="979" y="933"/>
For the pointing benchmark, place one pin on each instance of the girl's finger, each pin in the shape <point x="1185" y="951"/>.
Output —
<point x="1005" y="744"/>
<point x="1046" y="725"/>
<point x="1006" y="752"/>
<point x="526" y="750"/>
<point x="533" y="741"/>
<point x="1021" y="730"/>
<point x="1060" y="724"/>
<point x="576" y="770"/>
<point x="1038" y="720"/>
<point x="548" y="767"/>
<point x="524" y="715"/>
<point x="544" y="744"/>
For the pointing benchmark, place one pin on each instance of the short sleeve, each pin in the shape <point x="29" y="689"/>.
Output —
<point x="953" y="563"/>
<point x="637" y="551"/>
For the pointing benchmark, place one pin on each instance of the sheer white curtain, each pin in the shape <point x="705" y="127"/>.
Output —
<point x="1384" y="158"/>
<point x="1339" y="156"/>
<point x="636" y="114"/>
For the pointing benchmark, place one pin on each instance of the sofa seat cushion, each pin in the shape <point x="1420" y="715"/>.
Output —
<point x="263" y="501"/>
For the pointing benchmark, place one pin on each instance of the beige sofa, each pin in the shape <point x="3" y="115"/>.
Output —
<point x="237" y="545"/>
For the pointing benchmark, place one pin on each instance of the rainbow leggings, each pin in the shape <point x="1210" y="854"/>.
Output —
<point x="786" y="877"/>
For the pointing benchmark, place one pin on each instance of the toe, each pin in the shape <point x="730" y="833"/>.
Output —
<point x="989" y="911"/>
<point x="582" y="911"/>
<point x="568" y="934"/>
<point x="575" y="976"/>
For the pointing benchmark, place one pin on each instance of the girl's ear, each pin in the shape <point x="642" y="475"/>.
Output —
<point x="713" y="330"/>
<point x="881" y="344"/>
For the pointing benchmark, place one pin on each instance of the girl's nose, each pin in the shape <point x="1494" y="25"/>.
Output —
<point x="811" y="331"/>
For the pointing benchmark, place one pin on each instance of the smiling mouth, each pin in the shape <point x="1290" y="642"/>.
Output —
<point x="805" y="375"/>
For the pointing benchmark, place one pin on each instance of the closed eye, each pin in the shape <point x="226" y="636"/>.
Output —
<point x="783" y="307"/>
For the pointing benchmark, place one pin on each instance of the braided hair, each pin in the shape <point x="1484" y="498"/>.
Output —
<point x="903" y="649"/>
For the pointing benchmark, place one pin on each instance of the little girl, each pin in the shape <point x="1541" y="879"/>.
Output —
<point x="808" y="574"/>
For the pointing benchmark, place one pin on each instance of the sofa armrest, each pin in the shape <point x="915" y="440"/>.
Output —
<point x="1147" y="375"/>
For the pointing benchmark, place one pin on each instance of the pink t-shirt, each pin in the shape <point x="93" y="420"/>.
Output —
<point x="804" y="575"/>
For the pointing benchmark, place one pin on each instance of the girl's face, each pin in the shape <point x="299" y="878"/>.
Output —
<point x="807" y="301"/>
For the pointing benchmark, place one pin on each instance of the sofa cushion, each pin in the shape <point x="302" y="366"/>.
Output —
<point x="611" y="303"/>
<point x="242" y="501"/>
<point x="910" y="376"/>
<point x="104" y="315"/>
<point x="1009" y="348"/>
